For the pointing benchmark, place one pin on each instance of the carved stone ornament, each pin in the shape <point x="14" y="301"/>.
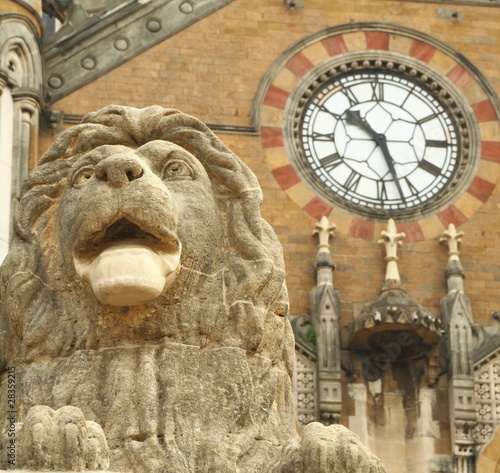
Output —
<point x="487" y="389"/>
<point x="144" y="312"/>
<point x="452" y="238"/>
<point x="454" y="273"/>
<point x="395" y="319"/>
<point x="391" y="240"/>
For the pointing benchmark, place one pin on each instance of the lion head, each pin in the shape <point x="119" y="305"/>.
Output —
<point x="141" y="225"/>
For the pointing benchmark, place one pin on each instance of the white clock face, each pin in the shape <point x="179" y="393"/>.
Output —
<point x="378" y="140"/>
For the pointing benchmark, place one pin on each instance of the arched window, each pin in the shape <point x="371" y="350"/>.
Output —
<point x="21" y="79"/>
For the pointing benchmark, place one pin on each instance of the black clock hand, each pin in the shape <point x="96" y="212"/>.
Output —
<point x="354" y="118"/>
<point x="382" y="142"/>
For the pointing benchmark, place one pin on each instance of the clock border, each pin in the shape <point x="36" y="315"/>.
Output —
<point x="300" y="59"/>
<point x="354" y="63"/>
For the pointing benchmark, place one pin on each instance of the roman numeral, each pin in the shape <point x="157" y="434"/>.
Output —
<point x="436" y="143"/>
<point x="381" y="191"/>
<point x="352" y="181"/>
<point x="325" y="110"/>
<point x="412" y="188"/>
<point x="426" y="119"/>
<point x="321" y="136"/>
<point x="329" y="163"/>
<point x="350" y="96"/>
<point x="408" y="96"/>
<point x="377" y="91"/>
<point x="429" y="167"/>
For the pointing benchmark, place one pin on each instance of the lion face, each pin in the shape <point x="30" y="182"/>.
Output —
<point x="141" y="225"/>
<point x="128" y="218"/>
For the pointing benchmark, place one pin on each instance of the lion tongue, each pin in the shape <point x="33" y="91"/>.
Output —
<point x="128" y="273"/>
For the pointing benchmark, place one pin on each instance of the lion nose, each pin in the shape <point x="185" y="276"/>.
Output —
<point x="118" y="171"/>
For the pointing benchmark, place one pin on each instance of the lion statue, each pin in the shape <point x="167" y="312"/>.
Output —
<point x="144" y="311"/>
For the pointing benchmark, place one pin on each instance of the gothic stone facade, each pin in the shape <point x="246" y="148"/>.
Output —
<point x="234" y="64"/>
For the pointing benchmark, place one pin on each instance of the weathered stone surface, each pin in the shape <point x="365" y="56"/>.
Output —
<point x="62" y="440"/>
<point x="144" y="310"/>
<point x="332" y="449"/>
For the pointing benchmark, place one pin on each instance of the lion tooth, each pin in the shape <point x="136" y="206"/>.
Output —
<point x="128" y="273"/>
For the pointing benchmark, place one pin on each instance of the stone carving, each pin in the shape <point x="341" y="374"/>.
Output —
<point x="487" y="390"/>
<point x="143" y="302"/>
<point x="394" y="319"/>
<point x="305" y="392"/>
<point x="391" y="240"/>
<point x="459" y="351"/>
<point x="325" y="314"/>
<point x="62" y="440"/>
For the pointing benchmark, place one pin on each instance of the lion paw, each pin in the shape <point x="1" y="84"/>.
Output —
<point x="61" y="440"/>
<point x="332" y="449"/>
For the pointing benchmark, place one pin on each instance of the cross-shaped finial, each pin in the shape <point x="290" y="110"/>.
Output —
<point x="391" y="239"/>
<point x="324" y="229"/>
<point x="453" y="238"/>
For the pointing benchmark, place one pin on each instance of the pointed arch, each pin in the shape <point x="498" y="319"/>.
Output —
<point x="20" y="53"/>
<point x="21" y="86"/>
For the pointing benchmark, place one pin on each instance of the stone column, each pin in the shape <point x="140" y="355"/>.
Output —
<point x="325" y="310"/>
<point x="25" y="142"/>
<point x="27" y="112"/>
<point x="6" y="143"/>
<point x="458" y="321"/>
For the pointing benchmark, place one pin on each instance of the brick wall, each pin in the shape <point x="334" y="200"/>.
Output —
<point x="212" y="70"/>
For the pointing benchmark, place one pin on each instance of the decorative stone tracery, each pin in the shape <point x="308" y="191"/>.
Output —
<point x="487" y="389"/>
<point x="305" y="391"/>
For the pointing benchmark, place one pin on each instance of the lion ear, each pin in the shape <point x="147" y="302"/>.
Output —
<point x="40" y="190"/>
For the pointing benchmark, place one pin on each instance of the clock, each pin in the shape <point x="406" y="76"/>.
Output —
<point x="368" y="121"/>
<point x="382" y="137"/>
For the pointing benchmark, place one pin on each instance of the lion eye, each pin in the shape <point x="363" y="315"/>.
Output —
<point x="177" y="169"/>
<point x="81" y="177"/>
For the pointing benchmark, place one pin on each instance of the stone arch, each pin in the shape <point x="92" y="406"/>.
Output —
<point x="20" y="54"/>
<point x="21" y="101"/>
<point x="489" y="458"/>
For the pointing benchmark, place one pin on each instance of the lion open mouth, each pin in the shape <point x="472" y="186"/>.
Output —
<point x="124" y="228"/>
<point x="126" y="264"/>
